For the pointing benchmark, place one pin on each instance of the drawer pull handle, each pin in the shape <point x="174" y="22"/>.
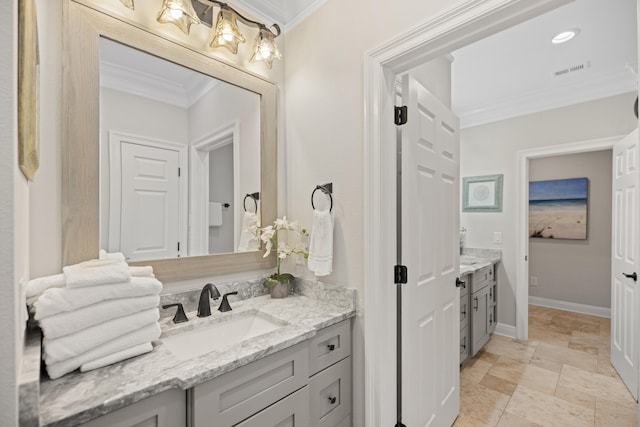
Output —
<point x="464" y="346"/>
<point x="464" y="310"/>
<point x="331" y="347"/>
<point x="475" y="299"/>
<point x="332" y="400"/>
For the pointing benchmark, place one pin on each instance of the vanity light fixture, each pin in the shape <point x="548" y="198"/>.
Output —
<point x="565" y="36"/>
<point x="265" y="48"/>
<point x="178" y="12"/>
<point x="225" y="32"/>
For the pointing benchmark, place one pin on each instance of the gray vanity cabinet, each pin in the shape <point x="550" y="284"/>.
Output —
<point x="307" y="385"/>
<point x="166" y="409"/>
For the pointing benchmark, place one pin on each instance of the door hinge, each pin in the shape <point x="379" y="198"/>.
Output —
<point x="400" y="274"/>
<point x="400" y="115"/>
<point x="178" y="172"/>
<point x="178" y="246"/>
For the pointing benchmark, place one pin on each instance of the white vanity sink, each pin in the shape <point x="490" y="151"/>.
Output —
<point x="224" y="333"/>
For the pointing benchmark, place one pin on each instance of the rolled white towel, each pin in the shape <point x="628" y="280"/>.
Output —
<point x="96" y="272"/>
<point x="69" y="322"/>
<point x="72" y="345"/>
<point x="118" y="356"/>
<point x="321" y="245"/>
<point x="145" y="334"/>
<point x="60" y="300"/>
<point x="35" y="287"/>
<point x="118" y="256"/>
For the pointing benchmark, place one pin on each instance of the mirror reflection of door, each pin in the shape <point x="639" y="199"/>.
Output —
<point x="155" y="99"/>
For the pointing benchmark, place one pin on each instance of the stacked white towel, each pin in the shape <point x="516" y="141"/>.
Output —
<point x="96" y="313"/>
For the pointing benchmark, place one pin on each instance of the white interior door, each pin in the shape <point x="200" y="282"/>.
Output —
<point x="624" y="263"/>
<point x="430" y="226"/>
<point x="149" y="223"/>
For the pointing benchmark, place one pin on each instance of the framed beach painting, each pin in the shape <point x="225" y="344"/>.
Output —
<point x="558" y="209"/>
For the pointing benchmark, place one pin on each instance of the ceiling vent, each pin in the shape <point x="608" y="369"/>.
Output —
<point x="572" y="69"/>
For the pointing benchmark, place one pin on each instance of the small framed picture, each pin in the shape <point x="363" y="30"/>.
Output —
<point x="482" y="193"/>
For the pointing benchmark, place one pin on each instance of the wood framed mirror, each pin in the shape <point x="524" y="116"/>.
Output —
<point x="83" y="137"/>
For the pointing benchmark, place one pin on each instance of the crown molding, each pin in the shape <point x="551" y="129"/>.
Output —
<point x="129" y="80"/>
<point x="603" y="86"/>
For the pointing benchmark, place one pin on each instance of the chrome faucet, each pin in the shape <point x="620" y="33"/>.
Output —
<point x="204" y="306"/>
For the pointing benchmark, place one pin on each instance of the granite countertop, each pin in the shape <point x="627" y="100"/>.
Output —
<point x="79" y="397"/>
<point x="473" y="259"/>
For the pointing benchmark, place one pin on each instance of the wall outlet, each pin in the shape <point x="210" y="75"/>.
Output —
<point x="497" y="237"/>
<point x="533" y="281"/>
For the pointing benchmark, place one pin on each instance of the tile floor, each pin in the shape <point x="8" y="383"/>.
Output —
<point x="560" y="377"/>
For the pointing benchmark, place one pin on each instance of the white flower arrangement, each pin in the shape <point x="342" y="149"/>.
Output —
<point x="269" y="235"/>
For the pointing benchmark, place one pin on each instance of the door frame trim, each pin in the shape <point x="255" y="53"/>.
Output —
<point x="444" y="33"/>
<point x="522" y="219"/>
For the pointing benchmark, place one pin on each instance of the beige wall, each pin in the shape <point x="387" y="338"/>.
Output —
<point x="324" y="74"/>
<point x="9" y="354"/>
<point x="491" y="149"/>
<point x="577" y="271"/>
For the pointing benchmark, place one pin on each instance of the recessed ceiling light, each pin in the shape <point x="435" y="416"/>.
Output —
<point x="565" y="36"/>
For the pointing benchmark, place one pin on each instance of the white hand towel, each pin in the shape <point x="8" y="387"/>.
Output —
<point x="59" y="300"/>
<point x="72" y="345"/>
<point x="118" y="356"/>
<point x="146" y="334"/>
<point x="321" y="245"/>
<point x="249" y="237"/>
<point x="141" y="271"/>
<point x="118" y="256"/>
<point x="215" y="214"/>
<point x="35" y="287"/>
<point x="96" y="272"/>
<point x="69" y="322"/>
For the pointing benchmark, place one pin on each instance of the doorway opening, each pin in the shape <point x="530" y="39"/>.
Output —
<point x="462" y="26"/>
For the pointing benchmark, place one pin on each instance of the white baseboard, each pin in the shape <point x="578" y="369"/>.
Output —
<point x="505" y="330"/>
<point x="571" y="306"/>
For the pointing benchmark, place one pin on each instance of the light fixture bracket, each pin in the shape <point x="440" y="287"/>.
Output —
<point x="204" y="10"/>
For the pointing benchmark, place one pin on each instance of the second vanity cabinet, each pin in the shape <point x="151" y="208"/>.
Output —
<point x="478" y="310"/>
<point x="465" y="315"/>
<point x="483" y="307"/>
<point x="308" y="384"/>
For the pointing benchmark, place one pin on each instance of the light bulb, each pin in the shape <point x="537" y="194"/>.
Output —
<point x="176" y="13"/>
<point x="226" y="33"/>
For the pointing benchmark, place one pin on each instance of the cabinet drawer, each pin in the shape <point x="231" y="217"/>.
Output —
<point x="329" y="346"/>
<point x="482" y="278"/>
<point x="292" y="411"/>
<point x="464" y="311"/>
<point x="166" y="409"/>
<point x="464" y="344"/>
<point x="331" y="395"/>
<point x="464" y="288"/>
<point x="238" y="394"/>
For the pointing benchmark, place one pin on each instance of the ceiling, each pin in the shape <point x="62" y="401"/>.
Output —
<point x="514" y="72"/>
<point x="285" y="13"/>
<point x="519" y="71"/>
